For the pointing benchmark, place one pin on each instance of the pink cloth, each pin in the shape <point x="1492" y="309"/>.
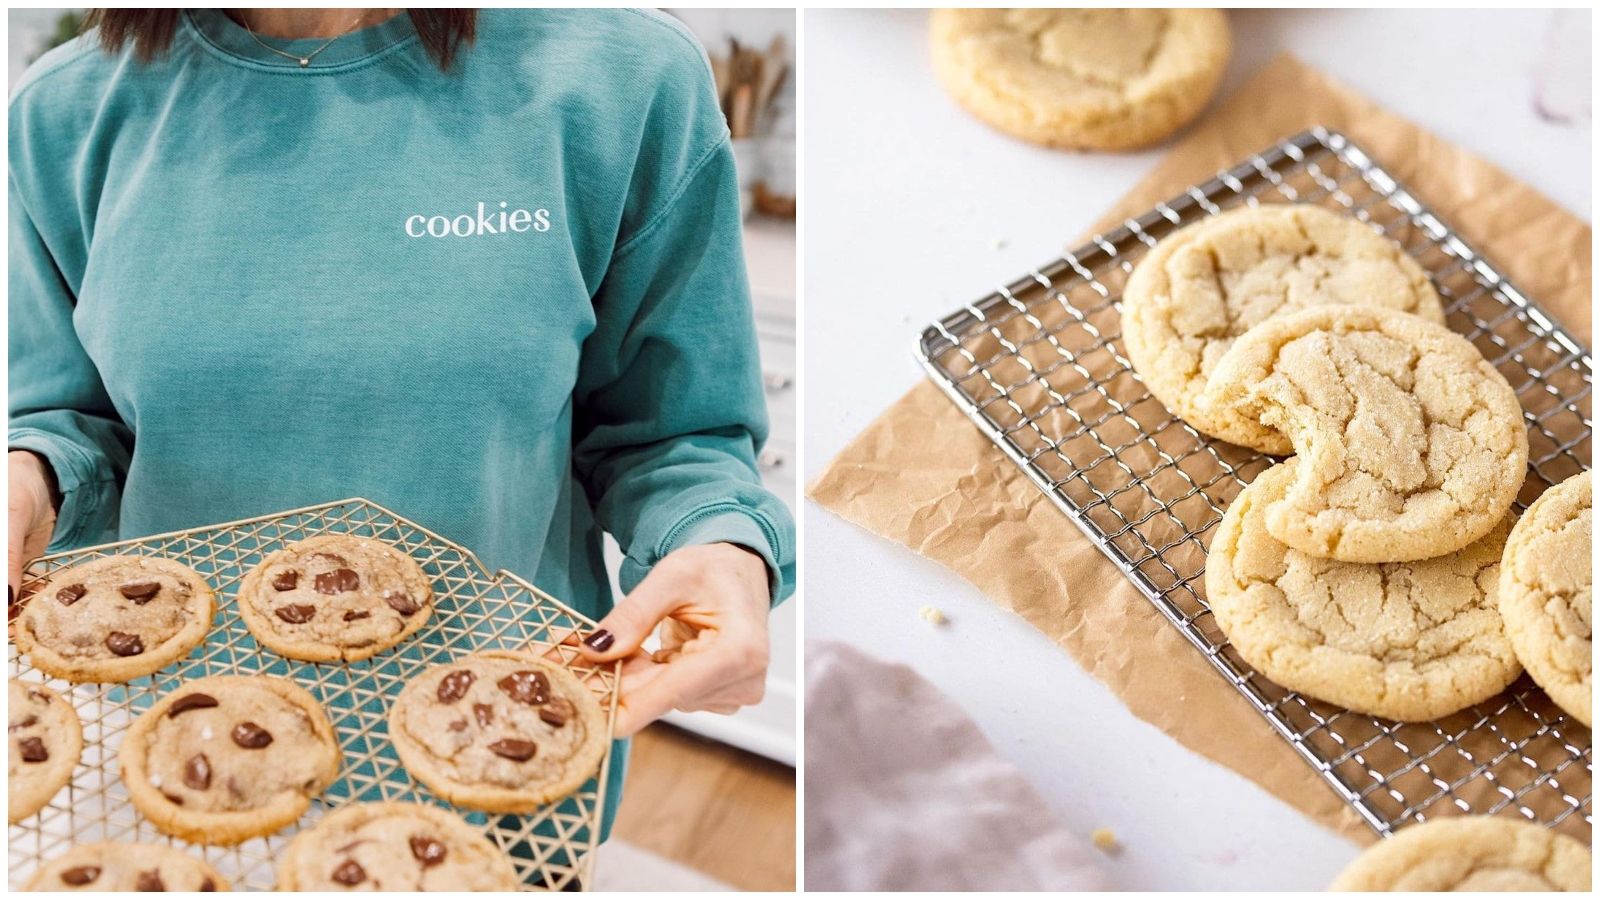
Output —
<point x="903" y="792"/>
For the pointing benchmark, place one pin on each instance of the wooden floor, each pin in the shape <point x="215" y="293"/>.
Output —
<point x="719" y="811"/>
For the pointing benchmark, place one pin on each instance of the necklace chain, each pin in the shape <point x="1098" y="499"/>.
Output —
<point x="304" y="61"/>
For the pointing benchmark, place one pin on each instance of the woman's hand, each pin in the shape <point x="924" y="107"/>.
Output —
<point x="32" y="517"/>
<point x="712" y="602"/>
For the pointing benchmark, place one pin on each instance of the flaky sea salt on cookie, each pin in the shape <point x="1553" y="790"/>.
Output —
<point x="1409" y="444"/>
<point x="1206" y="284"/>
<point x="1094" y="79"/>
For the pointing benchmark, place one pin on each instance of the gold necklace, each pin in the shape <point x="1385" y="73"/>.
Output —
<point x="304" y="61"/>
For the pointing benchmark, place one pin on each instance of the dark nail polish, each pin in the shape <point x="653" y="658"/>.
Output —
<point x="11" y="595"/>
<point x="600" y="641"/>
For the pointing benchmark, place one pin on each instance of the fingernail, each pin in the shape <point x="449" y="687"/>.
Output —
<point x="11" y="595"/>
<point x="600" y="640"/>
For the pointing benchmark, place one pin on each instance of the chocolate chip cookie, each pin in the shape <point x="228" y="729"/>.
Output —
<point x="46" y="740"/>
<point x="394" y="847"/>
<point x="502" y="731"/>
<point x="1547" y="594"/>
<point x="115" y="618"/>
<point x="126" y="867"/>
<point x="335" y="597"/>
<point x="229" y="757"/>
<point x="1471" y="853"/>
<point x="1410" y="444"/>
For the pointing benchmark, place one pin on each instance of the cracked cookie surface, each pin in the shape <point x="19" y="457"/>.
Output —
<point x="226" y="758"/>
<point x="126" y="867"/>
<point x="1471" y="853"/>
<point x="1409" y="641"/>
<point x="501" y="730"/>
<point x="46" y="740"/>
<point x="1409" y="444"/>
<point x="1546" y="594"/>
<point x="115" y="618"/>
<point x="394" y="846"/>
<point x="1206" y="284"/>
<point x="1096" y="79"/>
<point x="333" y="597"/>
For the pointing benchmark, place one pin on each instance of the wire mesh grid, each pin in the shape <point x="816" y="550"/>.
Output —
<point x="1038" y="366"/>
<point x="473" y="610"/>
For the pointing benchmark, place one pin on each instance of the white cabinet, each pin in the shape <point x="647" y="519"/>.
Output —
<point x="768" y="728"/>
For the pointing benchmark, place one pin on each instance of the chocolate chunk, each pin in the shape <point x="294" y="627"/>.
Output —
<point x="532" y="688"/>
<point x="251" y="736"/>
<point x="286" y="581"/>
<point x="149" y="881"/>
<point x="208" y="885"/>
<point x="124" y="644"/>
<point x="28" y="722"/>
<point x="355" y="614"/>
<point x="483" y="712"/>
<point x="197" y="772"/>
<point x="349" y="872"/>
<point x="514" y="749"/>
<point x="454" y="686"/>
<point x="428" y="851"/>
<point x="195" y="700"/>
<point x="140" y="592"/>
<point x="80" y="875"/>
<point x="458" y="725"/>
<point x="296" y="613"/>
<point x="338" y="581"/>
<point x="400" y="602"/>
<point x="33" y="750"/>
<point x="38" y="696"/>
<point x="71" y="594"/>
<point x="174" y="798"/>
<point x="556" y="712"/>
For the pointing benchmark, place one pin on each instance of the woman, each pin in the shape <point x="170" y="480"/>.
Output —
<point x="484" y="270"/>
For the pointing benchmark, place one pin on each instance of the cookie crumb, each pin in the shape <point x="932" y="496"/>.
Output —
<point x="933" y="615"/>
<point x="1105" y="841"/>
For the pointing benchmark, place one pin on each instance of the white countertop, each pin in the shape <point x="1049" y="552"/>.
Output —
<point x="913" y="208"/>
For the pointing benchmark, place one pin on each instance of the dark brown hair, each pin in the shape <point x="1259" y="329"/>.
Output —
<point x="442" y="31"/>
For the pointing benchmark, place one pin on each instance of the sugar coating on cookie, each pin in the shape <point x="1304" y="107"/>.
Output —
<point x="335" y="597"/>
<point x="229" y="757"/>
<point x="1204" y="285"/>
<point x="126" y="867"/>
<point x="1408" y="641"/>
<point x="45" y="742"/>
<point x="501" y="730"/>
<point x="1547" y="594"/>
<point x="394" y="847"/>
<point x="1410" y="444"/>
<point x="115" y="618"/>
<point x="1471" y="853"/>
<point x="1097" y="79"/>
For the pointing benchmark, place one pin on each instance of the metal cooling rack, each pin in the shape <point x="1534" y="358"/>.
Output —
<point x="1039" y="367"/>
<point x="473" y="610"/>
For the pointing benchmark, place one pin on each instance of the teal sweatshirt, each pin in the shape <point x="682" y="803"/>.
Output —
<point x="507" y="301"/>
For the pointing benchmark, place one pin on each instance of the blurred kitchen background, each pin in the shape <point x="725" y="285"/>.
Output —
<point x="710" y="801"/>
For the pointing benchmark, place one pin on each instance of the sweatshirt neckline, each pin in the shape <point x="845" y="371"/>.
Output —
<point x="231" y="40"/>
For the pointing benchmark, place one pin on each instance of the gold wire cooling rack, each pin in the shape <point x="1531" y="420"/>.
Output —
<point x="473" y="610"/>
<point x="1039" y="367"/>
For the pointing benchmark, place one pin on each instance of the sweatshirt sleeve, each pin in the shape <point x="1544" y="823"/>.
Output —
<point x="58" y="407"/>
<point x="671" y="410"/>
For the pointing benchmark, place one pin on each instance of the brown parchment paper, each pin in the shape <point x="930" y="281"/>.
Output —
<point x="923" y="476"/>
